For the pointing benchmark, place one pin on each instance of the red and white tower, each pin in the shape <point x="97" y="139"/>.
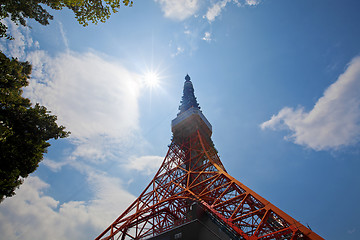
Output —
<point x="193" y="197"/>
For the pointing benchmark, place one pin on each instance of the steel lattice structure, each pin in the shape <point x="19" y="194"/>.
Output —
<point x="192" y="172"/>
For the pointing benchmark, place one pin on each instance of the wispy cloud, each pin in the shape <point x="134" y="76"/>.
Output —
<point x="335" y="119"/>
<point x="147" y="165"/>
<point x="179" y="9"/>
<point x="217" y="7"/>
<point x="179" y="50"/>
<point x="197" y="16"/>
<point x="187" y="32"/>
<point x="183" y="9"/>
<point x="215" y="10"/>
<point x="53" y="165"/>
<point x="63" y="35"/>
<point x="22" y="40"/>
<point x="207" y="37"/>
<point x="252" y="2"/>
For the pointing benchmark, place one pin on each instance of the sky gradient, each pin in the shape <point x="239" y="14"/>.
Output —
<point x="278" y="80"/>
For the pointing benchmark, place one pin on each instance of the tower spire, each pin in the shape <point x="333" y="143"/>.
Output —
<point x="190" y="118"/>
<point x="188" y="99"/>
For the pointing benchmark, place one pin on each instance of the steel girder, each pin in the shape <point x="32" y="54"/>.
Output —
<point x="192" y="172"/>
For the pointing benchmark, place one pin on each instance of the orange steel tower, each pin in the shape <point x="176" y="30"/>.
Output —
<point x="193" y="177"/>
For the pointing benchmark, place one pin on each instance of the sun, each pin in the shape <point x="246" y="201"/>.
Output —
<point x="151" y="79"/>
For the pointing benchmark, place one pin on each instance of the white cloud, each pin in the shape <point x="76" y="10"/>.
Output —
<point x="22" y="40"/>
<point x="179" y="50"/>
<point x="90" y="95"/>
<point x="145" y="164"/>
<point x="252" y="2"/>
<point x="31" y="209"/>
<point x="217" y="7"/>
<point x="335" y="119"/>
<point x="215" y="10"/>
<point x="110" y="198"/>
<point x="183" y="9"/>
<point x="179" y="9"/>
<point x="53" y="165"/>
<point x="207" y="37"/>
<point x="96" y="99"/>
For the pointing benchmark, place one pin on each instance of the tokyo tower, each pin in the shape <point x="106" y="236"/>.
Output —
<point x="192" y="196"/>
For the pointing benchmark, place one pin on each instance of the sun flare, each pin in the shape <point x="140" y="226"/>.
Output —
<point x="151" y="79"/>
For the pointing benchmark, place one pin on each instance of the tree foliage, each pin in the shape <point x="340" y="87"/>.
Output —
<point x="85" y="11"/>
<point x="24" y="129"/>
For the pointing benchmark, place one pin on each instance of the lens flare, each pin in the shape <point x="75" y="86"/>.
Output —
<point x="151" y="79"/>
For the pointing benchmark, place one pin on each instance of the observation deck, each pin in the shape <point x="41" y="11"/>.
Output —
<point x="188" y="122"/>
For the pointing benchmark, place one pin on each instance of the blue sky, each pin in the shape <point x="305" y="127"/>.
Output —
<point x="278" y="80"/>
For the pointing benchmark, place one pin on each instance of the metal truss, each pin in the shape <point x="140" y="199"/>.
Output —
<point x="192" y="172"/>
